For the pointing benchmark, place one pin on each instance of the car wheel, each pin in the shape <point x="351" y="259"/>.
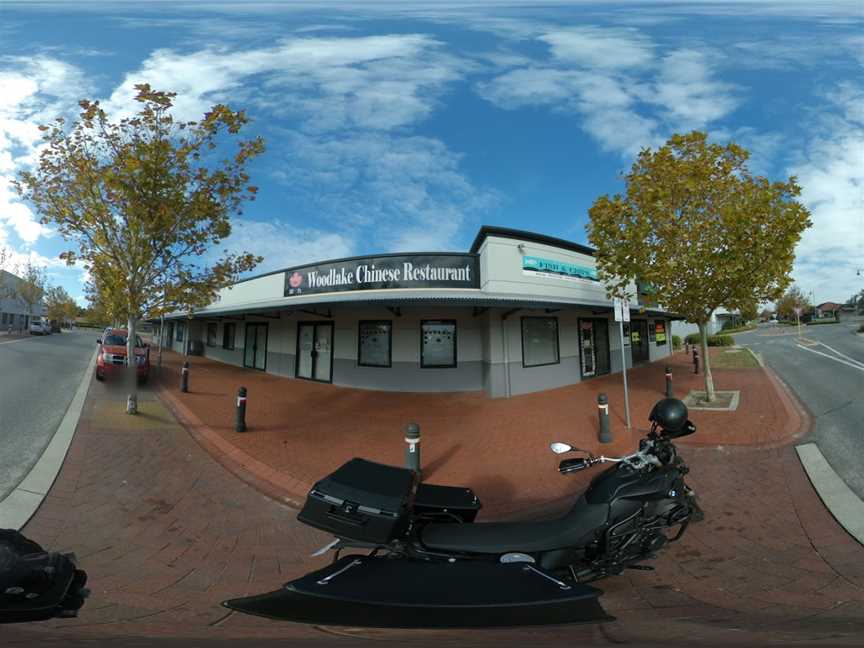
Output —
<point x="99" y="376"/>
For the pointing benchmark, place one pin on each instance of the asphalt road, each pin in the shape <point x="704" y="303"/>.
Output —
<point x="826" y="371"/>
<point x="38" y="378"/>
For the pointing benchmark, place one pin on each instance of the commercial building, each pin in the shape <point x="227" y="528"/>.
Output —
<point x="518" y="313"/>
<point x="14" y="311"/>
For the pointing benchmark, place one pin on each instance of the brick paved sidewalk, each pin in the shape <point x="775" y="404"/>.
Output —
<point x="166" y="533"/>
<point x="300" y="430"/>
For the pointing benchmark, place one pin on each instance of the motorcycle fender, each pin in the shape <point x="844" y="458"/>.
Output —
<point x="383" y="592"/>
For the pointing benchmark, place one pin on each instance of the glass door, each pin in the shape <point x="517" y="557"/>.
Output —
<point x="255" y="351"/>
<point x="601" y="346"/>
<point x="639" y="340"/>
<point x="315" y="351"/>
<point x="323" y="352"/>
<point x="305" y="346"/>
<point x="586" y="348"/>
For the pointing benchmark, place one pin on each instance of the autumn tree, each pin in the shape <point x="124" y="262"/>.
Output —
<point x="143" y="200"/>
<point x="59" y="305"/>
<point x="791" y="299"/>
<point x="31" y="287"/>
<point x="697" y="226"/>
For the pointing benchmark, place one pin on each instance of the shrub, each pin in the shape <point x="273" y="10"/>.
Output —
<point x="676" y="342"/>
<point x="818" y="322"/>
<point x="713" y="340"/>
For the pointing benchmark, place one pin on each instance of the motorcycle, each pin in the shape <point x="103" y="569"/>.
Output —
<point x="428" y="564"/>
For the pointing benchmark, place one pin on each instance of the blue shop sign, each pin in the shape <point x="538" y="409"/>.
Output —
<point x="547" y="267"/>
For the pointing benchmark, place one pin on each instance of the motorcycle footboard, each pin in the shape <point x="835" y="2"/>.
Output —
<point x="382" y="592"/>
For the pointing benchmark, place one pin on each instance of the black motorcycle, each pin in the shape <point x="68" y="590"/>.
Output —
<point x="428" y="564"/>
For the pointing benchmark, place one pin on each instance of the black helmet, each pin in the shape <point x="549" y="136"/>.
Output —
<point x="670" y="414"/>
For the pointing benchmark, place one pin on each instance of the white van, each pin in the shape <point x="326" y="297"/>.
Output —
<point x="40" y="326"/>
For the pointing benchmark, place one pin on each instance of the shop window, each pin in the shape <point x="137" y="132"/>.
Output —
<point x="374" y="347"/>
<point x="181" y="330"/>
<point x="211" y="334"/>
<point x="660" y="333"/>
<point x="228" y="332"/>
<point x="438" y="343"/>
<point x="540" y="341"/>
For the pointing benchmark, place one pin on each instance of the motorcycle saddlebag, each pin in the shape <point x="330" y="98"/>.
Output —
<point x="445" y="503"/>
<point x="362" y="501"/>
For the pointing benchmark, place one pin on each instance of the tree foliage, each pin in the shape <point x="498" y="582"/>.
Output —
<point x="31" y="288"/>
<point x="697" y="226"/>
<point x="59" y="305"/>
<point x="144" y="199"/>
<point x="792" y="299"/>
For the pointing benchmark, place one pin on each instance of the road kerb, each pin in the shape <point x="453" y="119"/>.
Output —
<point x="20" y="505"/>
<point x="846" y="507"/>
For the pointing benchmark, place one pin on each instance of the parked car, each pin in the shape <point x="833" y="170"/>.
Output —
<point x="39" y="326"/>
<point x="111" y="358"/>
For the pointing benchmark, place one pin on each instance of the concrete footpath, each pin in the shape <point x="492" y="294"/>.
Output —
<point x="166" y="533"/>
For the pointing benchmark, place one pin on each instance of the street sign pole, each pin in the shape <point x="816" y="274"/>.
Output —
<point x="622" y="314"/>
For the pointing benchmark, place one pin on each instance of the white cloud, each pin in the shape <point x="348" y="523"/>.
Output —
<point x="688" y="93"/>
<point x="603" y="48"/>
<point x="831" y="173"/>
<point x="283" y="244"/>
<point x="401" y="192"/>
<point x="378" y="82"/>
<point x="35" y="91"/>
<point x="626" y="96"/>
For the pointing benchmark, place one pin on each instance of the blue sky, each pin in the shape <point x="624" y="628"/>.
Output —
<point x="397" y="126"/>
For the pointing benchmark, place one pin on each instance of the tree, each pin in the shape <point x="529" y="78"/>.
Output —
<point x="792" y="299"/>
<point x="31" y="289"/>
<point x="144" y="199"/>
<point x="749" y="312"/>
<point x="700" y="229"/>
<point x="59" y="305"/>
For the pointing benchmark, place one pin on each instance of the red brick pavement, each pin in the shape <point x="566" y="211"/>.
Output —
<point x="499" y="447"/>
<point x="166" y="533"/>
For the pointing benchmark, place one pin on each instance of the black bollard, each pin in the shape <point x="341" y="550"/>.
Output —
<point x="695" y="361"/>
<point x="603" y="411"/>
<point x="184" y="377"/>
<point x="240" y="420"/>
<point x="669" y="393"/>
<point x="412" y="452"/>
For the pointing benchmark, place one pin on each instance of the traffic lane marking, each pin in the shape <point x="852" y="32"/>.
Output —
<point x="842" y="355"/>
<point x="859" y="367"/>
<point x="18" y="340"/>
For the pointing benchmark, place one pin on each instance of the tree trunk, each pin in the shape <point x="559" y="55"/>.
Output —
<point x="131" y="368"/>
<point x="706" y="363"/>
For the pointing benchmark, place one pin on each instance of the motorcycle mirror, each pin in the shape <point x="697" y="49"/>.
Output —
<point x="560" y="448"/>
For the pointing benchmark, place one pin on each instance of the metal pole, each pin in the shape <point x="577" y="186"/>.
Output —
<point x="624" y="373"/>
<point x="240" y="420"/>
<point x="412" y="452"/>
<point x="603" y="413"/>
<point x="798" y="317"/>
<point x="161" y="336"/>
<point x="669" y="393"/>
<point x="184" y="377"/>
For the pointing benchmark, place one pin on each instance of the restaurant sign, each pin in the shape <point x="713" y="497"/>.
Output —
<point x="385" y="272"/>
<point x="540" y="267"/>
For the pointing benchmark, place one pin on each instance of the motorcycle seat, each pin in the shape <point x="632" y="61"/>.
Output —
<point x="572" y="530"/>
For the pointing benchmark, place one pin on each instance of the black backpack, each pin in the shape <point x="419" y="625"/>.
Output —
<point x="36" y="584"/>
